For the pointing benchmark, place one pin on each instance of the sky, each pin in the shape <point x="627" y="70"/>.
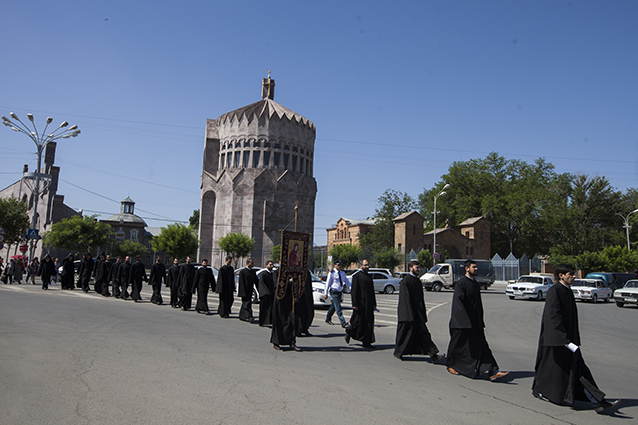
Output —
<point x="397" y="90"/>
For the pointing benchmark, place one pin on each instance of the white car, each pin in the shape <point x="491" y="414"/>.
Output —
<point x="591" y="290"/>
<point x="318" y="291"/>
<point x="530" y="286"/>
<point x="628" y="294"/>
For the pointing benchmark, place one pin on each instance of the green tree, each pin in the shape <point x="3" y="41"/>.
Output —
<point x="391" y="204"/>
<point x="388" y="258"/>
<point x="348" y="254"/>
<point x="78" y="234"/>
<point x="176" y="240"/>
<point x="193" y="221"/>
<point x="610" y="259"/>
<point x="425" y="258"/>
<point x="13" y="219"/>
<point x="130" y="248"/>
<point x="275" y="253"/>
<point x="238" y="245"/>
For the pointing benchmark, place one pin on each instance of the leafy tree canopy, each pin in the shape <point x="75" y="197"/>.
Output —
<point x="193" y="221"/>
<point x="348" y="254"/>
<point x="610" y="259"/>
<point x="388" y="258"/>
<point x="177" y="240"/>
<point x="13" y="219"/>
<point x="130" y="248"/>
<point x="238" y="245"/>
<point x="391" y="204"/>
<point x="78" y="234"/>
<point x="275" y="254"/>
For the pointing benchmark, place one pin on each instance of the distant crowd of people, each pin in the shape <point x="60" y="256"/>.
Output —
<point x="562" y="376"/>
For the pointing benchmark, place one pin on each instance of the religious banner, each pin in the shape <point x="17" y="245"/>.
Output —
<point x="293" y="264"/>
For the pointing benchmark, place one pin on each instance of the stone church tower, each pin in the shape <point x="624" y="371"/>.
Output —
<point x="258" y="162"/>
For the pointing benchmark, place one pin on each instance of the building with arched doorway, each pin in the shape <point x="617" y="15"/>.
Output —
<point x="258" y="164"/>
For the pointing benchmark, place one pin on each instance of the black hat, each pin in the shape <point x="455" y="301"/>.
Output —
<point x="337" y="262"/>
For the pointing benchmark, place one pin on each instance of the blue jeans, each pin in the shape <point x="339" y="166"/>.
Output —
<point x="335" y="307"/>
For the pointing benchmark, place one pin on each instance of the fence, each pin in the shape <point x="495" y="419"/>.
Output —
<point x="511" y="268"/>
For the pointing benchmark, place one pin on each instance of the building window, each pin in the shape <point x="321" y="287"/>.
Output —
<point x="229" y="159"/>
<point x="256" y="159"/>
<point x="276" y="158"/>
<point x="266" y="159"/>
<point x="301" y="151"/>
<point x="301" y="165"/>
<point x="256" y="144"/>
<point x="286" y="161"/>
<point x="286" y="148"/>
<point x="222" y="161"/>
<point x="247" y="144"/>
<point x="134" y="234"/>
<point x="277" y="146"/>
<point x="294" y="149"/>
<point x="237" y="153"/>
<point x="294" y="163"/>
<point x="246" y="159"/>
<point x="266" y="144"/>
<point x="467" y="234"/>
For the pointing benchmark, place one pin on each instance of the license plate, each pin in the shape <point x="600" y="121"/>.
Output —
<point x="518" y="292"/>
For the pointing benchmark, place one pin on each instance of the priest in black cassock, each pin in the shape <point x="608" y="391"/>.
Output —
<point x="172" y="280"/>
<point x="158" y="275"/>
<point x="305" y="308"/>
<point x="561" y="373"/>
<point x="247" y="281"/>
<point x="283" y="321"/>
<point x="98" y="273"/>
<point x="203" y="282"/>
<point x="123" y="276"/>
<point x="266" y="294"/>
<point x="186" y="277"/>
<point x="469" y="353"/>
<point x="225" y="287"/>
<point x="363" y="304"/>
<point x="413" y="336"/>
<point x="138" y="274"/>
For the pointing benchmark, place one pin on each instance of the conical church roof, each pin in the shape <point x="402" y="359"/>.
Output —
<point x="265" y="107"/>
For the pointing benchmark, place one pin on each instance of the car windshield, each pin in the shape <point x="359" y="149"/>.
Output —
<point x="632" y="284"/>
<point x="530" y="279"/>
<point x="435" y="268"/>
<point x="579" y="282"/>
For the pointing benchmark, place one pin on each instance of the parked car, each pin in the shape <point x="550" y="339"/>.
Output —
<point x="628" y="294"/>
<point x="318" y="291"/>
<point x="530" y="286"/>
<point x="613" y="280"/>
<point x="383" y="282"/>
<point x="591" y="290"/>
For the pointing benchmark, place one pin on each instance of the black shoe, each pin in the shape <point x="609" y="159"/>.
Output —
<point x="276" y="347"/>
<point x="347" y="338"/>
<point x="345" y="325"/>
<point x="307" y="333"/>
<point x="436" y="357"/>
<point x="400" y="357"/>
<point x="368" y="346"/>
<point x="606" y="404"/>
<point x="539" y="395"/>
<point x="294" y="347"/>
<point x="329" y="322"/>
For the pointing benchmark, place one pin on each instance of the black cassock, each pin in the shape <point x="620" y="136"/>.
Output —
<point x="362" y="320"/>
<point x="468" y="352"/>
<point x="266" y="289"/>
<point x="562" y="375"/>
<point x="138" y="274"/>
<point x="106" y="272"/>
<point x="186" y="276"/>
<point x="225" y="288"/>
<point x="158" y="275"/>
<point x="283" y="322"/>
<point x="85" y="269"/>
<point x="123" y="276"/>
<point x="204" y="280"/>
<point x="247" y="281"/>
<point x="305" y="308"/>
<point x="413" y="336"/>
<point x="98" y="274"/>
<point x="172" y="280"/>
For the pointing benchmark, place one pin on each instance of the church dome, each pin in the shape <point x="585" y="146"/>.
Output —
<point x="126" y="215"/>
<point x="264" y="108"/>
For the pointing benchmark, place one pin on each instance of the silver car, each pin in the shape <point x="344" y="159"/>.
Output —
<point x="383" y="282"/>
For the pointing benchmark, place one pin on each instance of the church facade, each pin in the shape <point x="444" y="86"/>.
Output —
<point x="257" y="166"/>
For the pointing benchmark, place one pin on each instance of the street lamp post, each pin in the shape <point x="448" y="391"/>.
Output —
<point x="627" y="226"/>
<point x="41" y="140"/>
<point x="442" y="192"/>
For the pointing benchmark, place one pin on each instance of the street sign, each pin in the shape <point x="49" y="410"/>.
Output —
<point x="436" y="255"/>
<point x="1" y="238"/>
<point x="33" y="234"/>
<point x="24" y="248"/>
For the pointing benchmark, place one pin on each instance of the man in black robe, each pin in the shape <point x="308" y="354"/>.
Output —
<point x="123" y="276"/>
<point x="413" y="336"/>
<point x="305" y="308"/>
<point x="158" y="275"/>
<point x="85" y="269"/>
<point x="46" y="271"/>
<point x="469" y="353"/>
<point x="98" y="273"/>
<point x="186" y="277"/>
<point x="561" y="373"/>
<point x="138" y="273"/>
<point x="283" y="320"/>
<point x="225" y="287"/>
<point x="114" y="277"/>
<point x="106" y="272"/>
<point x="247" y="281"/>
<point x="363" y="304"/>
<point x="68" y="273"/>
<point x="266" y="291"/>
<point x="172" y="280"/>
<point x="203" y="282"/>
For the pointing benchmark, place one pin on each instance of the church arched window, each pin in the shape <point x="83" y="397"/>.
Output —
<point x="256" y="159"/>
<point x="134" y="233"/>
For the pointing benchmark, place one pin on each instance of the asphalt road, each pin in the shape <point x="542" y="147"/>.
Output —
<point x="74" y="358"/>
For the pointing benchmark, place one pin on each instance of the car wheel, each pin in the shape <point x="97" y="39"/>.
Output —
<point x="437" y="287"/>
<point x="594" y="299"/>
<point x="607" y="299"/>
<point x="539" y="296"/>
<point x="389" y="289"/>
<point x="512" y="297"/>
<point x="620" y="304"/>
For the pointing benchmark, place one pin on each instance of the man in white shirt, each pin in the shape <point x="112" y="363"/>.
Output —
<point x="335" y="285"/>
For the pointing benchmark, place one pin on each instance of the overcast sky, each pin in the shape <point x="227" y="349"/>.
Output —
<point x="397" y="90"/>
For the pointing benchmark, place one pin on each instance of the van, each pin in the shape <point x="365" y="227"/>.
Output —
<point x="443" y="275"/>
<point x="613" y="280"/>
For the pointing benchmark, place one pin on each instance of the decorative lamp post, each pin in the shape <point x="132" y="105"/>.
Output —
<point x="442" y="192"/>
<point x="41" y="140"/>
<point x="627" y="226"/>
